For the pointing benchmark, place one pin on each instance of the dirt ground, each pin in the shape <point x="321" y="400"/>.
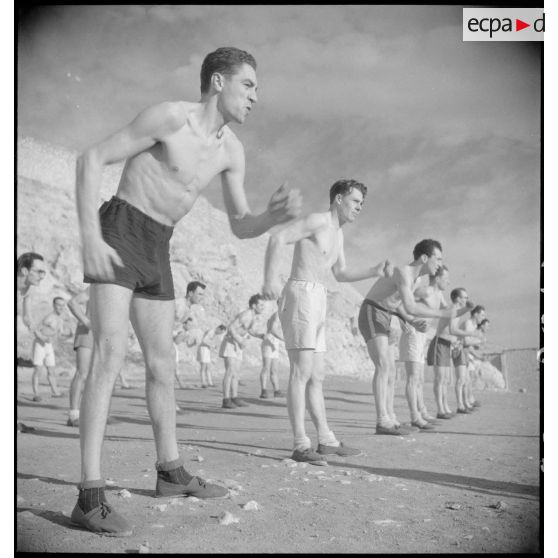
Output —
<point x="472" y="485"/>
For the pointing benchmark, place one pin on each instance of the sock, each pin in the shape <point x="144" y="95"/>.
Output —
<point x="173" y="471"/>
<point x="74" y="414"/>
<point x="91" y="494"/>
<point x="301" y="443"/>
<point x="328" y="439"/>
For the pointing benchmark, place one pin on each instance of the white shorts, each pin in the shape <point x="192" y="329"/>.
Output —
<point x="412" y="346"/>
<point x="302" y="312"/>
<point x="204" y="354"/>
<point x="269" y="350"/>
<point x="43" y="354"/>
<point x="229" y="349"/>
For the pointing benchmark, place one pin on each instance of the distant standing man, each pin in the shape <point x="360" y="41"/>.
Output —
<point x="172" y="151"/>
<point x="383" y="300"/>
<point x="203" y="355"/>
<point x="270" y="356"/>
<point x="48" y="329"/>
<point x="318" y="251"/>
<point x="478" y="315"/>
<point x="30" y="272"/>
<point x="231" y="349"/>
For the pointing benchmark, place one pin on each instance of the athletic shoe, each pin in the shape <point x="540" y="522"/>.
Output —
<point x="72" y="422"/>
<point x="278" y="393"/>
<point x="428" y="418"/>
<point x="443" y="416"/>
<point x="239" y="402"/>
<point x="204" y="386"/>
<point x="228" y="404"/>
<point x="388" y="430"/>
<point x="265" y="394"/>
<point x="309" y="456"/>
<point x="341" y="450"/>
<point x="196" y="487"/>
<point x="37" y="398"/>
<point x="405" y="429"/>
<point x="464" y="411"/>
<point x="24" y="428"/>
<point x="422" y="426"/>
<point x="103" y="520"/>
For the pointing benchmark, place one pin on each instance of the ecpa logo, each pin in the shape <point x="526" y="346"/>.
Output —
<point x="503" y="24"/>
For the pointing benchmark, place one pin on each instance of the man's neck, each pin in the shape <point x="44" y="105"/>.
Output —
<point x="22" y="285"/>
<point x="208" y="119"/>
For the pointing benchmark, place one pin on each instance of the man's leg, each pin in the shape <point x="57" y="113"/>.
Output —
<point x="411" y="389"/>
<point x="446" y="379"/>
<point x="460" y="373"/>
<point x="378" y="349"/>
<point x="390" y="393"/>
<point x="264" y="373"/>
<point x="438" y="388"/>
<point x="301" y="364"/>
<point x="83" y="361"/>
<point x="51" y="376"/>
<point x="37" y="370"/>
<point x="273" y="376"/>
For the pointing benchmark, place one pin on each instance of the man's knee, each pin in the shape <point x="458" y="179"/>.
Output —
<point x="301" y="373"/>
<point x="160" y="368"/>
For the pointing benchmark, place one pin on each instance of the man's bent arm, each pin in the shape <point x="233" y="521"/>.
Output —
<point x="409" y="304"/>
<point x="76" y="308"/>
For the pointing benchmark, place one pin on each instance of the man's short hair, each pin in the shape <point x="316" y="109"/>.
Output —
<point x="26" y="260"/>
<point x="426" y="247"/>
<point x="344" y="187"/>
<point x="192" y="286"/>
<point x="221" y="327"/>
<point x="456" y="293"/>
<point x="254" y="299"/>
<point x="478" y="308"/>
<point x="439" y="272"/>
<point x="58" y="298"/>
<point x="224" y="60"/>
<point x="485" y="321"/>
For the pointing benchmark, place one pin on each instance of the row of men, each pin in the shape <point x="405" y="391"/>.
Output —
<point x="172" y="151"/>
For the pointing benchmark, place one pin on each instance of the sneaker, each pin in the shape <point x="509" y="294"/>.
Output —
<point x="228" y="404"/>
<point x="204" y="386"/>
<point x="309" y="456"/>
<point x="102" y="520"/>
<point x="422" y="425"/>
<point x="265" y="394"/>
<point x="341" y="450"/>
<point x="239" y="402"/>
<point x="278" y="393"/>
<point x="443" y="416"/>
<point x="405" y="429"/>
<point x="428" y="418"/>
<point x="24" y="428"/>
<point x="196" y="487"/>
<point x="464" y="411"/>
<point x="72" y="422"/>
<point x="388" y="430"/>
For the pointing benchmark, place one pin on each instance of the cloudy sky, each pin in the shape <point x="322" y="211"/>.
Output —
<point x="445" y="134"/>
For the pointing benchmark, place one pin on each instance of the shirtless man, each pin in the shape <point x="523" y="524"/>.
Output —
<point x="203" y="355"/>
<point x="173" y="150"/>
<point x="30" y="272"/>
<point x="318" y="240"/>
<point x="440" y="354"/>
<point x="478" y="314"/>
<point x="270" y="356"/>
<point x="390" y="296"/>
<point x="231" y="349"/>
<point x="50" y="327"/>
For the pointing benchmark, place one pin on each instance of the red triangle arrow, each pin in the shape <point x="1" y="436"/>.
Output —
<point x="519" y="25"/>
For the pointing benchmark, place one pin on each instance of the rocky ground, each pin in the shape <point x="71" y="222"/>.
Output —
<point x="472" y="485"/>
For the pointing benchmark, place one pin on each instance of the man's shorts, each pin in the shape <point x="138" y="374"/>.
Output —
<point x="439" y="352"/>
<point x="459" y="356"/>
<point x="412" y="346"/>
<point x="143" y="245"/>
<point x="374" y="319"/>
<point x="269" y="349"/>
<point x="229" y="349"/>
<point x="302" y="313"/>
<point x="43" y="354"/>
<point x="204" y="354"/>
<point x="83" y="338"/>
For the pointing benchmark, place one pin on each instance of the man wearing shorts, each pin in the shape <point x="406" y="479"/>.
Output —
<point x="231" y="349"/>
<point x="478" y="314"/>
<point x="440" y="354"/>
<point x="204" y="354"/>
<point x="30" y="272"/>
<point x="318" y="241"/>
<point x="173" y="150"/>
<point x="386" y="297"/>
<point x="43" y="350"/>
<point x="270" y="356"/>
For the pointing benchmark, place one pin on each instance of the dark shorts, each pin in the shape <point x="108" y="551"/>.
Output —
<point x="83" y="338"/>
<point x="439" y="352"/>
<point x="374" y="320"/>
<point x="143" y="245"/>
<point x="459" y="356"/>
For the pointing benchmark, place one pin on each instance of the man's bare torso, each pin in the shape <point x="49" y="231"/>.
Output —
<point x="165" y="180"/>
<point x="385" y="291"/>
<point x="314" y="256"/>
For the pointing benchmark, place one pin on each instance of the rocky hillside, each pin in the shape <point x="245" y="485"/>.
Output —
<point x="202" y="248"/>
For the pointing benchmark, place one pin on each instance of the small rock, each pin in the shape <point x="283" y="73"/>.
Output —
<point x="468" y="537"/>
<point x="486" y="529"/>
<point x="193" y="499"/>
<point x="124" y="493"/>
<point x="264" y="466"/>
<point x="160" y="507"/>
<point x="384" y="521"/>
<point x="453" y="506"/>
<point x="226" y="518"/>
<point x="177" y="502"/>
<point x="198" y="458"/>
<point x="252" y="505"/>
<point x="522" y="390"/>
<point x="145" y="475"/>
<point x="345" y="482"/>
<point x="288" y="460"/>
<point x="499" y="506"/>
<point x="293" y="464"/>
<point x="157" y="526"/>
<point x="146" y="470"/>
<point x="258" y="452"/>
<point x="144" y="548"/>
<point x="315" y="473"/>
